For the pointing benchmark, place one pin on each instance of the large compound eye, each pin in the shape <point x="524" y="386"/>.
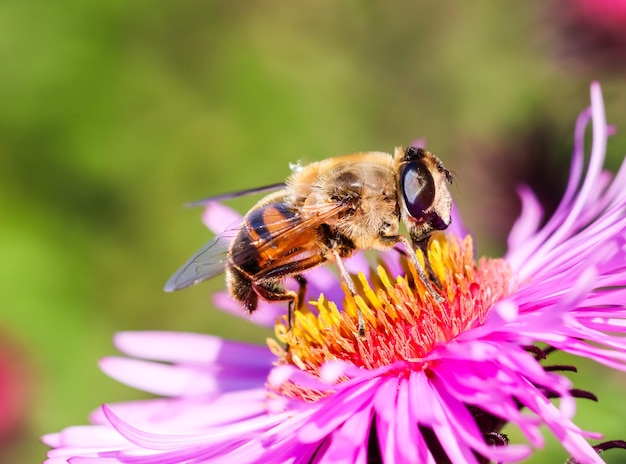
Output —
<point x="418" y="188"/>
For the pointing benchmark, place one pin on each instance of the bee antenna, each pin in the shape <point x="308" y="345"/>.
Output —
<point x="452" y="178"/>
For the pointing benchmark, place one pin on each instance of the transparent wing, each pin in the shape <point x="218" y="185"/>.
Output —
<point x="240" y="193"/>
<point x="208" y="262"/>
<point x="289" y="234"/>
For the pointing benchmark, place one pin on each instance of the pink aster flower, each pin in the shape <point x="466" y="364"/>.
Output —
<point x="429" y="382"/>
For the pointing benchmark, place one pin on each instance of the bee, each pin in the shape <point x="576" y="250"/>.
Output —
<point x="324" y="212"/>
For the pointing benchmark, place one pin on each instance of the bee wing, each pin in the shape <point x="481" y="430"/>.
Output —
<point x="289" y="235"/>
<point x="206" y="263"/>
<point x="287" y="232"/>
<point x="240" y="193"/>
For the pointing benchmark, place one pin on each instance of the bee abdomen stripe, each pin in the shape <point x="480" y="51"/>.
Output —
<point x="263" y="223"/>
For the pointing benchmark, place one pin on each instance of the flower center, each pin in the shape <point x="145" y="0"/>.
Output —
<point x="403" y="319"/>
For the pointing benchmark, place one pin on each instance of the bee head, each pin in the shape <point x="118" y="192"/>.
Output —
<point x="423" y="192"/>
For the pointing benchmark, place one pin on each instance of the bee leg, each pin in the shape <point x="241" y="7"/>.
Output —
<point x="270" y="291"/>
<point x="351" y="288"/>
<point x="301" y="296"/>
<point x="296" y="304"/>
<point x="291" y="316"/>
<point x="423" y="245"/>
<point x="418" y="267"/>
<point x="431" y="274"/>
<point x="273" y="292"/>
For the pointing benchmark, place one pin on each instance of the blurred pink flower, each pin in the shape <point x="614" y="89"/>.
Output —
<point x="14" y="390"/>
<point x="427" y="383"/>
<point x="591" y="33"/>
<point x="607" y="13"/>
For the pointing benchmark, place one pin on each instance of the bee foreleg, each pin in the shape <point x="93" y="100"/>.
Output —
<point x="418" y="267"/>
<point x="423" y="245"/>
<point x="345" y="275"/>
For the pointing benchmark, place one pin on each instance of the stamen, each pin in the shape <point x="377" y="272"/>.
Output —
<point x="403" y="321"/>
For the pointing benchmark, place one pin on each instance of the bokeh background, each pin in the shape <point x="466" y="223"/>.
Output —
<point x="114" y="113"/>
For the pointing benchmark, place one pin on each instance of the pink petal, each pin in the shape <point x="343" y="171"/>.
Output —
<point x="218" y="217"/>
<point x="265" y="315"/>
<point x="528" y="221"/>
<point x="328" y="417"/>
<point x="192" y="348"/>
<point x="349" y="442"/>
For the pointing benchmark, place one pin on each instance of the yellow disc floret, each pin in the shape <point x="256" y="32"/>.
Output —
<point x="403" y="319"/>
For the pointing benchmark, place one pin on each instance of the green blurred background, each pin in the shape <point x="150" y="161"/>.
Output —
<point x="114" y="113"/>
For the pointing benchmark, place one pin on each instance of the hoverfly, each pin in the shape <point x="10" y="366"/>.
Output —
<point x="323" y="213"/>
